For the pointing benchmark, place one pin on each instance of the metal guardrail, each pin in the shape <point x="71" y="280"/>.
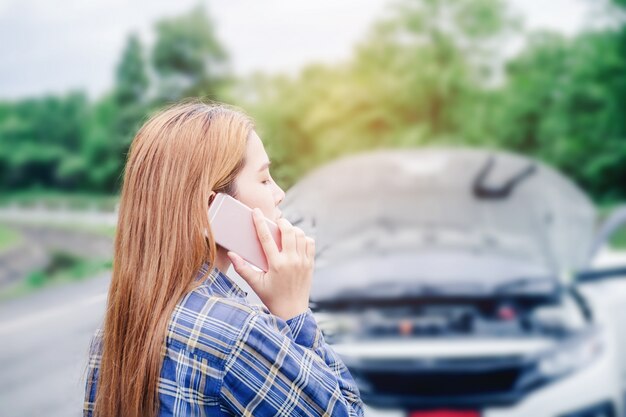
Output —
<point x="62" y="215"/>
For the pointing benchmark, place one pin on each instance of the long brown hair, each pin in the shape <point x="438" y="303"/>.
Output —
<point x="176" y="159"/>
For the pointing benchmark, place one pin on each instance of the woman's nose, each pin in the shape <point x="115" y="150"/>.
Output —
<point x="280" y="194"/>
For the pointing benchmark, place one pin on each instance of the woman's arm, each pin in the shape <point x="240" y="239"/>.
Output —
<point x="286" y="372"/>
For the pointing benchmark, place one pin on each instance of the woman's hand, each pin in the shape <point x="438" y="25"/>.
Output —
<point x="285" y="287"/>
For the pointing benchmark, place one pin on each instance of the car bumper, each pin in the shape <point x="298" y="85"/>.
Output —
<point x="586" y="393"/>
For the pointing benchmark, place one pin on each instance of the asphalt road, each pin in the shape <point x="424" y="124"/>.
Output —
<point x="43" y="355"/>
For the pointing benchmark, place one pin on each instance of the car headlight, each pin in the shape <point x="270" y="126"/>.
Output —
<point x="572" y="355"/>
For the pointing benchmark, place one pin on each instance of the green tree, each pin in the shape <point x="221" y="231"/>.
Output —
<point x="565" y="102"/>
<point x="67" y="142"/>
<point x="412" y="81"/>
<point x="105" y="146"/>
<point x="132" y="82"/>
<point x="130" y="95"/>
<point x="41" y="139"/>
<point x="116" y="117"/>
<point x="188" y="58"/>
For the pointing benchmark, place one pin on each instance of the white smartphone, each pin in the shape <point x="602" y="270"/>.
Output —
<point x="233" y="228"/>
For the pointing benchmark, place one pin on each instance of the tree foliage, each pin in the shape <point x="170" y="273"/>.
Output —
<point x="187" y="56"/>
<point x="66" y="142"/>
<point x="412" y="81"/>
<point x="565" y="103"/>
<point x="426" y="73"/>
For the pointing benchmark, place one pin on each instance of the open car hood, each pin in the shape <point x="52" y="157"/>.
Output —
<point x="475" y="200"/>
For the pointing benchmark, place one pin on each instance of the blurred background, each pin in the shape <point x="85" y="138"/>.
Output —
<point x="323" y="80"/>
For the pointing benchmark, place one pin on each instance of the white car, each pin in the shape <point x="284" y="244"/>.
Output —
<point x="466" y="283"/>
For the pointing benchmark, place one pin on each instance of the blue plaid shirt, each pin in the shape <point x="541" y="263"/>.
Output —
<point x="225" y="357"/>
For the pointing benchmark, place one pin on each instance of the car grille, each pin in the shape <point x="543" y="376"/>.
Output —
<point x="449" y="382"/>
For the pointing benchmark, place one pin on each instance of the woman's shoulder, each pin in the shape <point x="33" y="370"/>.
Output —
<point x="208" y="323"/>
<point x="95" y="345"/>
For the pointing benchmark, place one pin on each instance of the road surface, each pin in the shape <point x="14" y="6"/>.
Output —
<point x="43" y="354"/>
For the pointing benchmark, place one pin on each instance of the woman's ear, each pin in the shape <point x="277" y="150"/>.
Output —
<point x="212" y="197"/>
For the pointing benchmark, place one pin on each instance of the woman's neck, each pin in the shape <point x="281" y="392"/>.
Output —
<point x="222" y="262"/>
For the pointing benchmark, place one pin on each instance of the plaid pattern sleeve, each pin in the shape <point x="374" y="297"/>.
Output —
<point x="95" y="354"/>
<point x="283" y="368"/>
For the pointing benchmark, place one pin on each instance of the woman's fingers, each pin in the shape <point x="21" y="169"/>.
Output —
<point x="288" y="236"/>
<point x="300" y="241"/>
<point x="244" y="270"/>
<point x="310" y="249"/>
<point x="265" y="237"/>
<point x="293" y="241"/>
<point x="285" y="287"/>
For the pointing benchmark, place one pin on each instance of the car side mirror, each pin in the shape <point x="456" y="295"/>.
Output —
<point x="611" y="226"/>
<point x="603" y="265"/>
<point x="601" y="274"/>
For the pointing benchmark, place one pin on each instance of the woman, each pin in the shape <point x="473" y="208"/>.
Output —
<point x="179" y="338"/>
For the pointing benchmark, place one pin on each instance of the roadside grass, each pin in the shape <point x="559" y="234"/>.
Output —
<point x="619" y="240"/>
<point x="8" y="238"/>
<point x="63" y="268"/>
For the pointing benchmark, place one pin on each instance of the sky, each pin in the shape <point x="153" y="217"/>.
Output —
<point x="56" y="46"/>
